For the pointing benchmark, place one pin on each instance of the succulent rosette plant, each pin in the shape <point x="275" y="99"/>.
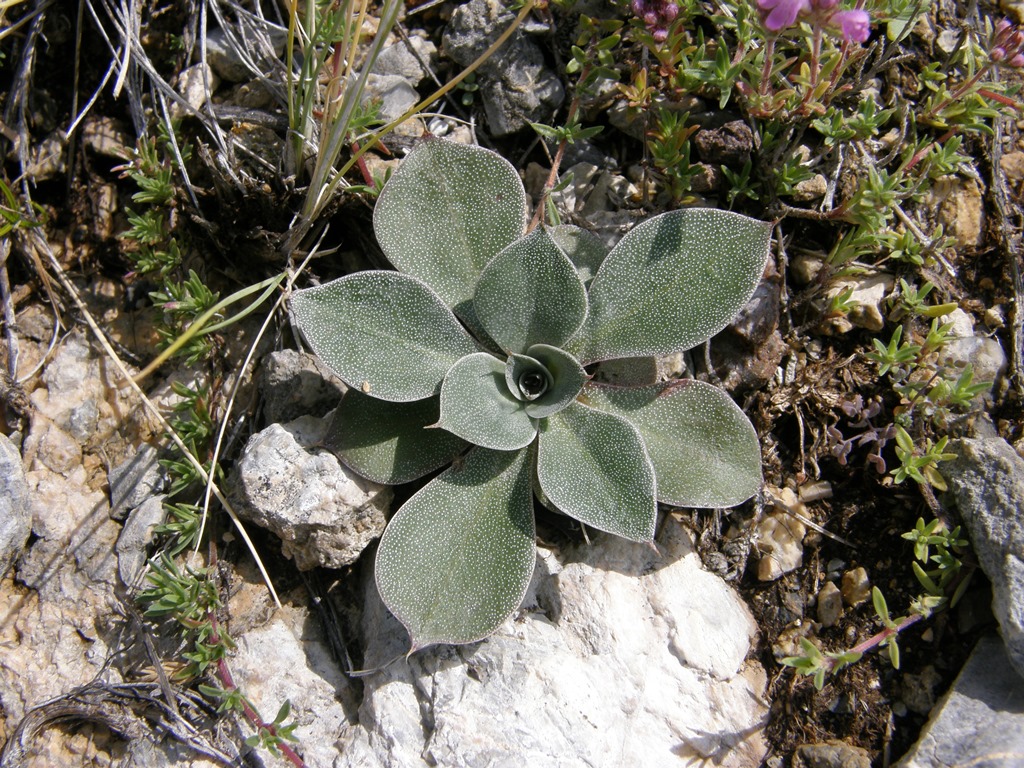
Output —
<point x="476" y="351"/>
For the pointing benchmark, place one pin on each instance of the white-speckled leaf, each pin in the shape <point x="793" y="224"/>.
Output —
<point x="477" y="406"/>
<point x="446" y="212"/>
<point x="530" y="294"/>
<point x="584" y="249"/>
<point x="593" y="466"/>
<point x="389" y="442"/>
<point x="671" y="283"/>
<point x="455" y="561"/>
<point x="384" y="333"/>
<point x="567" y="377"/>
<point x="704" y="449"/>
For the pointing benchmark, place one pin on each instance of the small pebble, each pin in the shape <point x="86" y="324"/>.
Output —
<point x="856" y="586"/>
<point x="830" y="604"/>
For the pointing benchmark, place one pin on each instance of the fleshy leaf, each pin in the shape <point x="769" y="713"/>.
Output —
<point x="671" y="283"/>
<point x="477" y="406"/>
<point x="567" y="377"/>
<point x="704" y="449"/>
<point x="384" y="333"/>
<point x="593" y="466"/>
<point x="517" y="370"/>
<point x="389" y="442"/>
<point x="446" y="212"/>
<point x="584" y="249"/>
<point x="455" y="561"/>
<point x="530" y="294"/>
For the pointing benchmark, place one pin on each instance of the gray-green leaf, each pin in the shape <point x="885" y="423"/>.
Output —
<point x="704" y="449"/>
<point x="446" y="212"/>
<point x="477" y="406"/>
<point x="389" y="442"/>
<point x="584" y="249"/>
<point x="671" y="283"/>
<point x="455" y="561"/>
<point x="384" y="333"/>
<point x="567" y="377"/>
<point x="530" y="294"/>
<point x="593" y="466"/>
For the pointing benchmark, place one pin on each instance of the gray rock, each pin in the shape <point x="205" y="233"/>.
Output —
<point x="55" y="638"/>
<point x="297" y="384"/>
<point x="980" y="722"/>
<point x="246" y="53"/>
<point x="831" y="754"/>
<point x="516" y="87"/>
<point x="194" y="84"/>
<point x="398" y="60"/>
<point x="135" y="537"/>
<point x="621" y="655"/>
<point x="830" y="604"/>
<point x="987" y="480"/>
<point x="324" y="513"/>
<point x="393" y="92"/>
<point x="134" y="480"/>
<point x="15" y="513"/>
<point x="985" y="355"/>
<point x="287" y="659"/>
<point x="917" y="691"/>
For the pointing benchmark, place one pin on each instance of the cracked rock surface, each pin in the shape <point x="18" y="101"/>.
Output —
<point x="620" y="656"/>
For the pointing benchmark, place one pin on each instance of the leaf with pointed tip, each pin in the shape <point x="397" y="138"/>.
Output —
<point x="530" y="294"/>
<point x="382" y="332"/>
<point x="477" y="406"/>
<point x="584" y="249"/>
<point x="455" y="561"/>
<point x="389" y="442"/>
<point x="704" y="449"/>
<point x="446" y="212"/>
<point x="593" y="466"/>
<point x="567" y="378"/>
<point x="671" y="283"/>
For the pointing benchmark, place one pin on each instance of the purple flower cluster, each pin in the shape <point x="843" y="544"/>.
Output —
<point x="854" y="25"/>
<point x="1008" y="44"/>
<point x="658" y="15"/>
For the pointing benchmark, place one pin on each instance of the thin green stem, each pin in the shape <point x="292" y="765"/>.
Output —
<point x="199" y="326"/>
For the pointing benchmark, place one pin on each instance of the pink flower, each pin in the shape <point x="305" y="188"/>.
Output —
<point x="782" y="13"/>
<point x="855" y="25"/>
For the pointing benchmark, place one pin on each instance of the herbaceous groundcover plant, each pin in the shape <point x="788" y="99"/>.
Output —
<point x="476" y="351"/>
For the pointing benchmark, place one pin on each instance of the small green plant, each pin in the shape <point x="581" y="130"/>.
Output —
<point x="189" y="597"/>
<point x="482" y="340"/>
<point x="944" y="583"/>
<point x="920" y="465"/>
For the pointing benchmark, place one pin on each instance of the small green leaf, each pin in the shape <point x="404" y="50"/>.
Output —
<point x="389" y="442"/>
<point x="894" y="652"/>
<point x="704" y="449"/>
<point x="567" y="378"/>
<point x="671" y="283"/>
<point x="477" y="406"/>
<point x="446" y="212"/>
<point x="384" y="333"/>
<point x="584" y="249"/>
<point x="530" y="294"/>
<point x="455" y="561"/>
<point x="593" y="467"/>
<point x="878" y="600"/>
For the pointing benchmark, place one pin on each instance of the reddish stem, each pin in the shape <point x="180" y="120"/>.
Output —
<point x="257" y="722"/>
<point x="885" y="634"/>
